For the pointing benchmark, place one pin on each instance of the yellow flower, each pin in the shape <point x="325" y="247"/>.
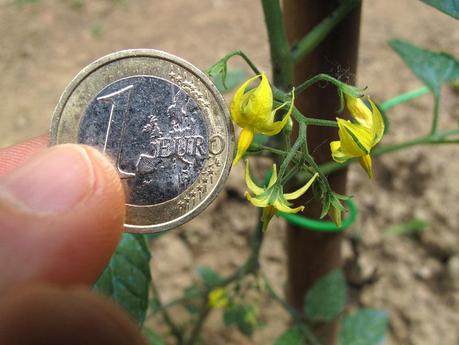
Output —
<point x="253" y="112"/>
<point x="218" y="298"/>
<point x="357" y="139"/>
<point x="272" y="198"/>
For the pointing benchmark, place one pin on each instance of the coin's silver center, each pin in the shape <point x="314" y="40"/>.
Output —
<point x="153" y="130"/>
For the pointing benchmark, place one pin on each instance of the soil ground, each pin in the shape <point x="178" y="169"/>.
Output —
<point x="415" y="278"/>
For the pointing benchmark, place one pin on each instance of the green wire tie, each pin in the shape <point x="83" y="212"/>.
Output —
<point x="322" y="225"/>
<point x="314" y="224"/>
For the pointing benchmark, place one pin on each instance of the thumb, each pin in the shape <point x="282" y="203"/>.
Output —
<point x="61" y="216"/>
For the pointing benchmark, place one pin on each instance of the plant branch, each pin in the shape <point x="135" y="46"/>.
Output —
<point x="312" y="121"/>
<point x="251" y="265"/>
<point x="307" y="44"/>
<point x="404" y="97"/>
<point x="436" y="114"/>
<point x="175" y="330"/>
<point x="280" y="51"/>
<point x="203" y="314"/>
<point x="296" y="316"/>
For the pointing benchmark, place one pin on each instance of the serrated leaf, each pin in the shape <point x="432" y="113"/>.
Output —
<point x="366" y="327"/>
<point x="434" y="69"/>
<point x="450" y="7"/>
<point x="292" y="336"/>
<point x="241" y="317"/>
<point x="326" y="299"/>
<point x="208" y="276"/>
<point x="126" y="279"/>
<point x="152" y="337"/>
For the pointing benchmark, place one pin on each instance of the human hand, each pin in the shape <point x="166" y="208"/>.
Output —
<point x="61" y="216"/>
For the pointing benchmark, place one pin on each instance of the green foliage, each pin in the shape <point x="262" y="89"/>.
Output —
<point x="292" y="336"/>
<point x="366" y="327"/>
<point x="208" y="276"/>
<point x="450" y="7"/>
<point x="326" y="299"/>
<point x="152" y="337"/>
<point x="433" y="69"/>
<point x="242" y="316"/>
<point x="26" y="2"/>
<point x="97" y="29"/>
<point x="126" y="279"/>
<point x="77" y="4"/>
<point x="414" y="226"/>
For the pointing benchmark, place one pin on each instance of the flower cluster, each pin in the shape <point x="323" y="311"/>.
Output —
<point x="252" y="111"/>
<point x="272" y="198"/>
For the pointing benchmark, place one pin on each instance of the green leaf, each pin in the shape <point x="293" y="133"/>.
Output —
<point x="208" y="276"/>
<point x="225" y="81"/>
<point x="326" y="299"/>
<point x="126" y="279"/>
<point x="434" y="69"/>
<point x="366" y="327"/>
<point x="292" y="336"/>
<point x="412" y="227"/>
<point x="152" y="337"/>
<point x="241" y="316"/>
<point x="450" y="7"/>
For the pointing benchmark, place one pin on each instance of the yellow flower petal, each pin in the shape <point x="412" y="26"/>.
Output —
<point x="378" y="123"/>
<point x="250" y="184"/>
<point x="302" y="190"/>
<point x="276" y="127"/>
<point x="355" y="139"/>
<point x="218" y="298"/>
<point x="259" y="102"/>
<point x="285" y="208"/>
<point x="257" y="201"/>
<point x="365" y="162"/>
<point x="244" y="141"/>
<point x="359" y="111"/>
<point x="337" y="154"/>
<point x="236" y="103"/>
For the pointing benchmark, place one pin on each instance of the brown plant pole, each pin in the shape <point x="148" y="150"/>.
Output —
<point x="313" y="254"/>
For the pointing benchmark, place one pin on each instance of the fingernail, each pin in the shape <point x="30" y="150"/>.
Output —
<point x="56" y="180"/>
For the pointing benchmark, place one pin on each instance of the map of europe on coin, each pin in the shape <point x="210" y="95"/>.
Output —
<point x="163" y="124"/>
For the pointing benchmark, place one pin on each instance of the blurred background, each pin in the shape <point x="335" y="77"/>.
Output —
<point x="402" y="255"/>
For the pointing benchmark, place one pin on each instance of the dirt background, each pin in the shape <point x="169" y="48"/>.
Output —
<point x="44" y="44"/>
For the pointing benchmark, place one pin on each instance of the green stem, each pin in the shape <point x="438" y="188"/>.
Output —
<point x="280" y="51"/>
<point x="342" y="87"/>
<point x="296" y="316"/>
<point x="298" y="143"/>
<point x="273" y="150"/>
<point x="203" y="314"/>
<point x="240" y="54"/>
<point x="175" y="330"/>
<point x="436" y="114"/>
<point x="405" y="97"/>
<point x="312" y="121"/>
<point x="251" y="265"/>
<point x="321" y="31"/>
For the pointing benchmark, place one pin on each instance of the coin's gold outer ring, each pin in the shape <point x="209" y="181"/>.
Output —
<point x="106" y="70"/>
